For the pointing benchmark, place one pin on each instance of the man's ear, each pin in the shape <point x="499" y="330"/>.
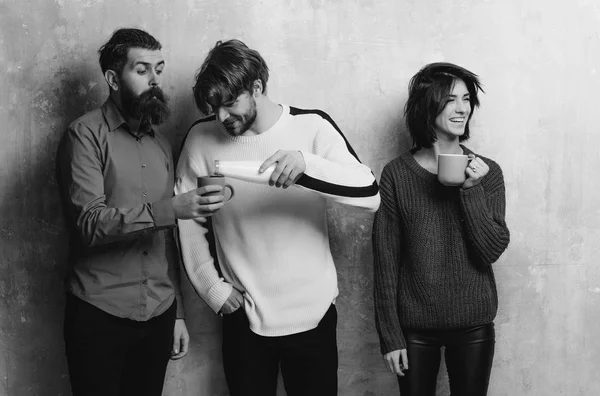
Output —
<point x="257" y="88"/>
<point x="112" y="79"/>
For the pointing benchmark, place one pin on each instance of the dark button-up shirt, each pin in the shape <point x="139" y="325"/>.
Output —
<point x="117" y="188"/>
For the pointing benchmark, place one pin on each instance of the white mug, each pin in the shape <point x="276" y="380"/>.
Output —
<point x="452" y="169"/>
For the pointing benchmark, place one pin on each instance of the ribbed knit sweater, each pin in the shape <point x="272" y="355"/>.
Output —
<point x="433" y="246"/>
<point x="272" y="243"/>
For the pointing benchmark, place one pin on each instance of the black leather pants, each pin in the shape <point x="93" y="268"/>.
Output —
<point x="469" y="354"/>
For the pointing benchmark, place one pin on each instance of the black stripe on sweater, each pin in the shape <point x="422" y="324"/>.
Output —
<point x="336" y="189"/>
<point x="210" y="236"/>
<point x="200" y="121"/>
<point x="296" y="111"/>
<point x="331" y="188"/>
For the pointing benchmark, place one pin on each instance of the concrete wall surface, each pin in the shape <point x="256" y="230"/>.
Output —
<point x="537" y="59"/>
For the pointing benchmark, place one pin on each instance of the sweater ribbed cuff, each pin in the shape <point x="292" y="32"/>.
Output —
<point x="218" y="295"/>
<point x="389" y="345"/>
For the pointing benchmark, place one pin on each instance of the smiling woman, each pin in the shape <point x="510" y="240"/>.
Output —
<point x="457" y="109"/>
<point x="433" y="93"/>
<point x="434" y="244"/>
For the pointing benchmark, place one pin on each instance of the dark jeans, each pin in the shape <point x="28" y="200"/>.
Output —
<point x="308" y="360"/>
<point x="469" y="354"/>
<point x="112" y="356"/>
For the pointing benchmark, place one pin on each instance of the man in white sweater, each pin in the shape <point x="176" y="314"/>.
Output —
<point x="274" y="279"/>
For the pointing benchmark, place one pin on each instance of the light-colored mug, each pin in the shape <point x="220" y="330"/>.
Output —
<point x="216" y="180"/>
<point x="452" y="169"/>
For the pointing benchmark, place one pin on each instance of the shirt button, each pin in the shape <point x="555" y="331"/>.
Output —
<point x="145" y="253"/>
<point x="143" y="165"/>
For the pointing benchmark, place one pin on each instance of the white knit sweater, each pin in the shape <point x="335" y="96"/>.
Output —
<point x="272" y="244"/>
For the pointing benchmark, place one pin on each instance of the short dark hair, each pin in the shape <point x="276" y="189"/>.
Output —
<point x="427" y="91"/>
<point x="229" y="69"/>
<point x="113" y="54"/>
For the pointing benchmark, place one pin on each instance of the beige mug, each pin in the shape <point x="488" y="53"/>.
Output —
<point x="452" y="169"/>
<point x="218" y="180"/>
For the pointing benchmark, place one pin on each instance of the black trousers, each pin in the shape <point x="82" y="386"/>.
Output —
<point x="469" y="354"/>
<point x="309" y="360"/>
<point x="112" y="356"/>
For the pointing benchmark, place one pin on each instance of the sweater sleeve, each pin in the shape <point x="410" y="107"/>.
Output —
<point x="483" y="207"/>
<point x="334" y="170"/>
<point x="195" y="250"/>
<point x="387" y="237"/>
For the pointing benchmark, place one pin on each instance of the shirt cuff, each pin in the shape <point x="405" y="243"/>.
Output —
<point x="163" y="213"/>
<point x="180" y="309"/>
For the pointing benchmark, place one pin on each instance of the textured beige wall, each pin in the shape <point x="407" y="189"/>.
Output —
<point x="352" y="59"/>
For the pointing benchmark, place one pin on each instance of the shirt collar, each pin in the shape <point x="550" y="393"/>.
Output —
<point x="115" y="119"/>
<point x="112" y="115"/>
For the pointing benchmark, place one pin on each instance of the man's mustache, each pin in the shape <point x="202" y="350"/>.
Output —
<point x="154" y="92"/>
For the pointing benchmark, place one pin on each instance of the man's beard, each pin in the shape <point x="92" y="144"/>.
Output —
<point x="150" y="108"/>
<point x="246" y="120"/>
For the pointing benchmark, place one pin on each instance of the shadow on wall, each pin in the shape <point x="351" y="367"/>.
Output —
<point x="393" y="140"/>
<point x="36" y="240"/>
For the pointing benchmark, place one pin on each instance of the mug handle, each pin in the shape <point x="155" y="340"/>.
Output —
<point x="232" y="193"/>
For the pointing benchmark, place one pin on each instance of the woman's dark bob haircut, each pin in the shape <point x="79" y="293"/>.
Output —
<point x="427" y="96"/>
